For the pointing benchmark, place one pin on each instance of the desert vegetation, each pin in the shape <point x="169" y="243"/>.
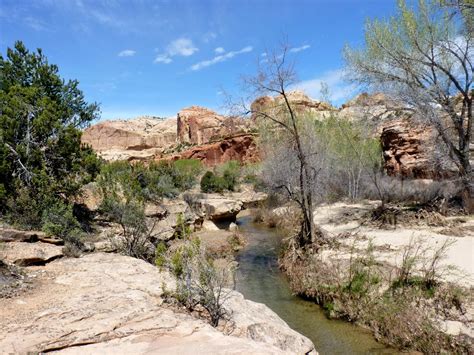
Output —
<point x="322" y="172"/>
<point x="423" y="59"/>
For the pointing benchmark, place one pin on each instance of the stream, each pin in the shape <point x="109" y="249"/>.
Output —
<point x="259" y="279"/>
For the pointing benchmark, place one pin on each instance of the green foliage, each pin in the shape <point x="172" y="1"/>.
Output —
<point x="186" y="171"/>
<point x="182" y="231"/>
<point x="40" y="138"/>
<point x="198" y="281"/>
<point x="148" y="182"/>
<point x="160" y="254"/>
<point x="226" y="178"/>
<point x="211" y="183"/>
<point x="231" y="172"/>
<point x="135" y="237"/>
<point x="59" y="221"/>
<point x="353" y="155"/>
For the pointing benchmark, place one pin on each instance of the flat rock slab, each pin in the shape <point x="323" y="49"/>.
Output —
<point x="27" y="254"/>
<point x="15" y="235"/>
<point x="111" y="304"/>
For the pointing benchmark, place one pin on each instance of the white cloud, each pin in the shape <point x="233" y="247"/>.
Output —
<point x="299" y="49"/>
<point x="208" y="37"/>
<point x="163" y="58"/>
<point x="339" y="90"/>
<point x="220" y="58"/>
<point x="127" y="53"/>
<point x="219" y="50"/>
<point x="180" y="47"/>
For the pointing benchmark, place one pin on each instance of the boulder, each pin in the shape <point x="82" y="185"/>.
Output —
<point x="176" y="211"/>
<point x="248" y="196"/>
<point x="109" y="303"/>
<point x="214" y="206"/>
<point x="209" y="226"/>
<point x="411" y="148"/>
<point x="406" y="150"/>
<point x="136" y="139"/>
<point x="27" y="254"/>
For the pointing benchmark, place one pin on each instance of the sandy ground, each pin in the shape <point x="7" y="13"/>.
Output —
<point x="390" y="243"/>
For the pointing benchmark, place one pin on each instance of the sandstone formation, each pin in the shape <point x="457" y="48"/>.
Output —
<point x="406" y="150"/>
<point x="242" y="148"/>
<point x="214" y="206"/>
<point x="411" y="149"/>
<point x="301" y="104"/>
<point x="26" y="254"/>
<point x="199" y="125"/>
<point x="108" y="303"/>
<point x="137" y="139"/>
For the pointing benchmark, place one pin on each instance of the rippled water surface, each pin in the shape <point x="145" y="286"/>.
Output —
<point x="259" y="279"/>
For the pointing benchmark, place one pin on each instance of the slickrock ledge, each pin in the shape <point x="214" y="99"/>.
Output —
<point x="108" y="303"/>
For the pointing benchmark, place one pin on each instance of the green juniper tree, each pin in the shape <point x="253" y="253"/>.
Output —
<point x="41" y="116"/>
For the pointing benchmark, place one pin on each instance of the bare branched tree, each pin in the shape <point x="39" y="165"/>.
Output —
<point x="425" y="58"/>
<point x="274" y="77"/>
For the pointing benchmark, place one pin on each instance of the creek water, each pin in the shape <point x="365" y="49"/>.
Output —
<point x="259" y="279"/>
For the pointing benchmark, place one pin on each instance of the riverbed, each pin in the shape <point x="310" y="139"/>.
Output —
<point x="259" y="279"/>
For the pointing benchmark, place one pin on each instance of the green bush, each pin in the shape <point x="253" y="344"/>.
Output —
<point x="148" y="182"/>
<point x="135" y="239"/>
<point x="186" y="172"/>
<point x="230" y="173"/>
<point x="59" y="221"/>
<point x="212" y="183"/>
<point x="41" y="154"/>
<point x="198" y="281"/>
<point x="226" y="178"/>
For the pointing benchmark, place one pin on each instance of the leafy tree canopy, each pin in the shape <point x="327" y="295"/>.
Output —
<point x="41" y="117"/>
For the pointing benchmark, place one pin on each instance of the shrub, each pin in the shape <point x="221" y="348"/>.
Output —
<point x="59" y="221"/>
<point x="135" y="239"/>
<point x="230" y="173"/>
<point x="211" y="183"/>
<point x="148" y="182"/>
<point x="226" y="178"/>
<point x="199" y="283"/>
<point x="187" y="171"/>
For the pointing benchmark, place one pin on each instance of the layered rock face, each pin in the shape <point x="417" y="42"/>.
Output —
<point x="108" y="303"/>
<point x="411" y="148"/>
<point x="408" y="150"/>
<point x="199" y="125"/>
<point x="140" y="138"/>
<point x="301" y="104"/>
<point x="242" y="148"/>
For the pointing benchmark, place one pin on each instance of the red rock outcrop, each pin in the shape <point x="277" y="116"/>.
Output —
<point x="199" y="125"/>
<point x="406" y="152"/>
<point x="242" y="148"/>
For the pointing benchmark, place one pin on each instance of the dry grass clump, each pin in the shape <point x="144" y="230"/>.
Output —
<point x="400" y="304"/>
<point x="391" y="216"/>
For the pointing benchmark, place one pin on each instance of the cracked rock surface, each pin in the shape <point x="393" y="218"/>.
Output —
<point x="108" y="303"/>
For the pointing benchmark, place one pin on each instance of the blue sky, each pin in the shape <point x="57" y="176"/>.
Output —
<point x="139" y="57"/>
